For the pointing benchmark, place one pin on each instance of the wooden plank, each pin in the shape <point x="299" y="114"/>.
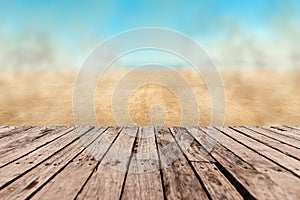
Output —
<point x="144" y="180"/>
<point x="23" y="139"/>
<point x="295" y="127"/>
<point x="12" y="131"/>
<point x="248" y="181"/>
<point x="107" y="180"/>
<point x="191" y="148"/>
<point x="261" y="163"/>
<point x="276" y="136"/>
<point x="31" y="160"/>
<point x="6" y="130"/>
<point x="215" y="182"/>
<point x="261" y="177"/>
<point x="179" y="180"/>
<point x="292" y="130"/>
<point x="275" y="144"/>
<point x="279" y="158"/>
<point x="32" y="181"/>
<point x="35" y="139"/>
<point x="79" y="170"/>
<point x="284" y="132"/>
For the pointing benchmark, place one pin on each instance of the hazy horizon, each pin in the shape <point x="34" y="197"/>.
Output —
<point x="248" y="34"/>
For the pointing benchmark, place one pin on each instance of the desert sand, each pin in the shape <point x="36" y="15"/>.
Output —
<point x="253" y="97"/>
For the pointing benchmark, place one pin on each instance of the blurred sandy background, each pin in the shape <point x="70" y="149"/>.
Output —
<point x="253" y="97"/>
<point x="255" y="44"/>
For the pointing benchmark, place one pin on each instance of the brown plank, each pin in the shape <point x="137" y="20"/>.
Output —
<point x="79" y="170"/>
<point x="258" y="175"/>
<point x="191" y="148"/>
<point x="285" y="132"/>
<point x="215" y="182"/>
<point x="7" y="130"/>
<point x="276" y="136"/>
<point x="18" y="136"/>
<point x="290" y="129"/>
<point x="235" y="164"/>
<point x="22" y="138"/>
<point x="144" y="180"/>
<point x="279" y="158"/>
<point x="275" y="144"/>
<point x="29" y="183"/>
<point x="32" y="139"/>
<point x="12" y="130"/>
<point x="34" y="158"/>
<point x="294" y="127"/>
<point x="179" y="180"/>
<point x="107" y="180"/>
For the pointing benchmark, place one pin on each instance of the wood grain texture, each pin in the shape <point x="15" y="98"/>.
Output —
<point x="28" y="184"/>
<point x="215" y="182"/>
<point x="29" y="161"/>
<point x="275" y="144"/>
<point x="144" y="180"/>
<point x="279" y="137"/>
<point x="78" y="170"/>
<point x="149" y="162"/>
<point x="258" y="174"/>
<point x="6" y="131"/>
<point x="250" y="182"/>
<point x="284" y="131"/>
<point x="35" y="138"/>
<point x="279" y="158"/>
<point x="9" y="130"/>
<point x="295" y="128"/>
<point x="192" y="149"/>
<point x="179" y="179"/>
<point x="108" y="177"/>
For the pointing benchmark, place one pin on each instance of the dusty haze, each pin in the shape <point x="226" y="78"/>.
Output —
<point x="253" y="97"/>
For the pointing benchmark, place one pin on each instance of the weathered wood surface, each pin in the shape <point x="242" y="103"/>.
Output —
<point x="150" y="162"/>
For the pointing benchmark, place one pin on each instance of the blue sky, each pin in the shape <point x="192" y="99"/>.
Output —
<point x="69" y="30"/>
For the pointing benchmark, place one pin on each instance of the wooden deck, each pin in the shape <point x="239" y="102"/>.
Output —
<point x="149" y="163"/>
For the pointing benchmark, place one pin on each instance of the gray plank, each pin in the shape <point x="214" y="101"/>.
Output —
<point x="276" y="136"/>
<point x="68" y="183"/>
<point x="279" y="146"/>
<point x="144" y="180"/>
<point x="107" y="180"/>
<point x="32" y="139"/>
<point x="32" y="181"/>
<point x="35" y="158"/>
<point x="215" y="182"/>
<point x="190" y="146"/>
<point x="284" y="131"/>
<point x="179" y="179"/>
<point x="279" y="158"/>
<point x="261" y="177"/>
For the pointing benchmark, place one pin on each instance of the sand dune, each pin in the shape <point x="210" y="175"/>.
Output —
<point x="253" y="97"/>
